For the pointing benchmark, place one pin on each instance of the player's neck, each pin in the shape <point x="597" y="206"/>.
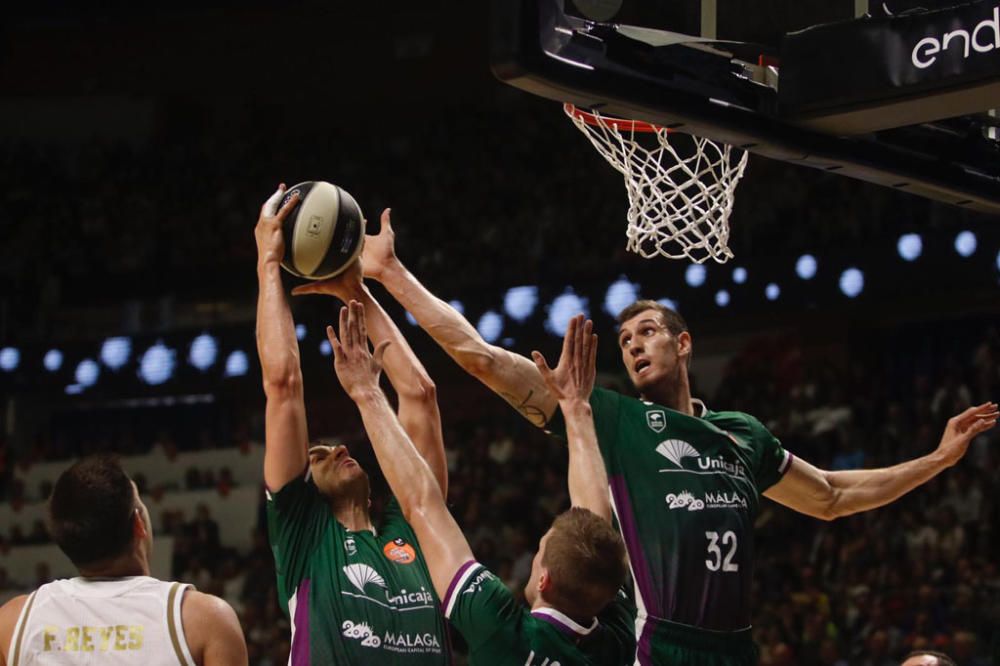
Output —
<point x="132" y="564"/>
<point x="674" y="394"/>
<point x="353" y="515"/>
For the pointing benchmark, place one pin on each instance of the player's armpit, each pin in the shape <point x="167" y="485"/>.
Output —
<point x="444" y="546"/>
<point x="806" y="489"/>
<point x="213" y="631"/>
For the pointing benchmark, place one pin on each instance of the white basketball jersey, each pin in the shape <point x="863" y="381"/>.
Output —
<point x="134" y="621"/>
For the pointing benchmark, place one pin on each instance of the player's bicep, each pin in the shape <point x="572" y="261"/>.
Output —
<point x="286" y="439"/>
<point x="804" y="488"/>
<point x="442" y="543"/>
<point x="517" y="380"/>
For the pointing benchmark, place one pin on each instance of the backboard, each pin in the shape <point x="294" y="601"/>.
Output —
<point x="898" y="100"/>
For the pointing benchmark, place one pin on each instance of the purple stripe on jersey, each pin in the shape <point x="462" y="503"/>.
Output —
<point x="454" y="582"/>
<point x="644" y="650"/>
<point x="300" y="644"/>
<point x="640" y="569"/>
<point x="554" y="621"/>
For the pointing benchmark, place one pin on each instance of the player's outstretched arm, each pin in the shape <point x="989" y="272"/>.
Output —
<point x="409" y="476"/>
<point x="512" y="376"/>
<point x="213" y="631"/>
<point x="829" y="495"/>
<point x="418" y="407"/>
<point x="572" y="382"/>
<point x="286" y="438"/>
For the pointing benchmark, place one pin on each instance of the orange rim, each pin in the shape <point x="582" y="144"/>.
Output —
<point x="618" y="124"/>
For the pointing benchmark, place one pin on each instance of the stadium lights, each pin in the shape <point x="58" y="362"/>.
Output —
<point x="852" y="281"/>
<point x="324" y="348"/>
<point x="490" y="326"/>
<point x="300" y="332"/>
<point x="457" y="305"/>
<point x="910" y="246"/>
<point x="965" y="243"/>
<point x="669" y="302"/>
<point x="115" y="352"/>
<point x="772" y="291"/>
<point x="694" y="275"/>
<point x="806" y="266"/>
<point x="410" y="318"/>
<point x="203" y="352"/>
<point x="998" y="260"/>
<point x="237" y="364"/>
<point x="722" y="298"/>
<point x="74" y="389"/>
<point x="620" y="295"/>
<point x="739" y="275"/>
<point x="87" y="372"/>
<point x="9" y="358"/>
<point x="563" y="308"/>
<point x="52" y="360"/>
<point x="157" y="364"/>
<point x="519" y="302"/>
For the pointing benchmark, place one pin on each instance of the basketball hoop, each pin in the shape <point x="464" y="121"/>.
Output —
<point x="679" y="206"/>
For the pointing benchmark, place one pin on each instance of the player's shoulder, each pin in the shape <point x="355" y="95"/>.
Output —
<point x="730" y="419"/>
<point x="207" y="618"/>
<point x="9" y="613"/>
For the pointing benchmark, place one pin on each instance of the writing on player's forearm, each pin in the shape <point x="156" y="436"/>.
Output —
<point x="533" y="413"/>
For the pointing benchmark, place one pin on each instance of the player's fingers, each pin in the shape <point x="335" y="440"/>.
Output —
<point x="586" y="341"/>
<point x="293" y="201"/>
<point x="270" y="206"/>
<point x="386" y="220"/>
<point x="352" y="326"/>
<point x="592" y="361"/>
<point x="344" y="326"/>
<point x="331" y="335"/>
<point x="360" y="327"/>
<point x="567" y="347"/>
<point x="541" y="364"/>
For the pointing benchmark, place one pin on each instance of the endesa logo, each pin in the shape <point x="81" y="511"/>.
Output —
<point x="399" y="551"/>
<point x="985" y="37"/>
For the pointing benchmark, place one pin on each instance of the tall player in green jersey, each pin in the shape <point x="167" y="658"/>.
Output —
<point x="581" y="559"/>
<point x="685" y="480"/>
<point x="356" y="592"/>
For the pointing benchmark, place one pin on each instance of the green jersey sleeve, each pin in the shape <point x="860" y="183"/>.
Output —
<point x="297" y="519"/>
<point x="771" y="460"/>
<point x="479" y="604"/>
<point x="615" y="639"/>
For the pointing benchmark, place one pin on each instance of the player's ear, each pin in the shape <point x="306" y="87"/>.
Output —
<point x="684" y="344"/>
<point x="139" y="531"/>
<point x="544" y="581"/>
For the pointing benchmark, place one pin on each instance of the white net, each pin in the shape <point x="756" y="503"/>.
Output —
<point x="680" y="188"/>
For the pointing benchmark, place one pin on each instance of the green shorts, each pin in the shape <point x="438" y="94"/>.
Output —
<point x="667" y="644"/>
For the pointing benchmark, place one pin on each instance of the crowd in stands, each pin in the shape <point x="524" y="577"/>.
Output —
<point x="860" y="590"/>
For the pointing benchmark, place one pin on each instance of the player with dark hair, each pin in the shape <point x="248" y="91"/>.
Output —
<point x="927" y="658"/>
<point x="685" y="480"/>
<point x="356" y="591"/>
<point x="580" y="563"/>
<point x="113" y="609"/>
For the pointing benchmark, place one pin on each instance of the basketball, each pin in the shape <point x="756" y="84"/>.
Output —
<point x="323" y="233"/>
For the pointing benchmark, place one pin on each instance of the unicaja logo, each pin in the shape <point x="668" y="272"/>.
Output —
<point x="676" y="450"/>
<point x="985" y="37"/>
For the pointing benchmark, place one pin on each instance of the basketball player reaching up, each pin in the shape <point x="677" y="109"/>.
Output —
<point x="685" y="481"/>
<point x="580" y="562"/>
<point x="113" y="612"/>
<point x="356" y="592"/>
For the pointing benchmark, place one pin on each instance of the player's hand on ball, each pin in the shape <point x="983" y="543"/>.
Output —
<point x="379" y="252"/>
<point x="270" y="242"/>
<point x="573" y="378"/>
<point x="341" y="286"/>
<point x="963" y="427"/>
<point x="357" y="368"/>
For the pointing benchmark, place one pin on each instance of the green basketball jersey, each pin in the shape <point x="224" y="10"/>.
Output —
<point x="352" y="597"/>
<point x="502" y="632"/>
<point x="685" y="491"/>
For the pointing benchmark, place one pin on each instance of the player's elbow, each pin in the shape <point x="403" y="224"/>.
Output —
<point x="832" y="506"/>
<point x="418" y="500"/>
<point x="422" y="390"/>
<point x="283" y="385"/>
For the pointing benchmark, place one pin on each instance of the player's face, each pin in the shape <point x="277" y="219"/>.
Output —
<point x="335" y="472"/>
<point x="531" y="588"/>
<point x="650" y="352"/>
